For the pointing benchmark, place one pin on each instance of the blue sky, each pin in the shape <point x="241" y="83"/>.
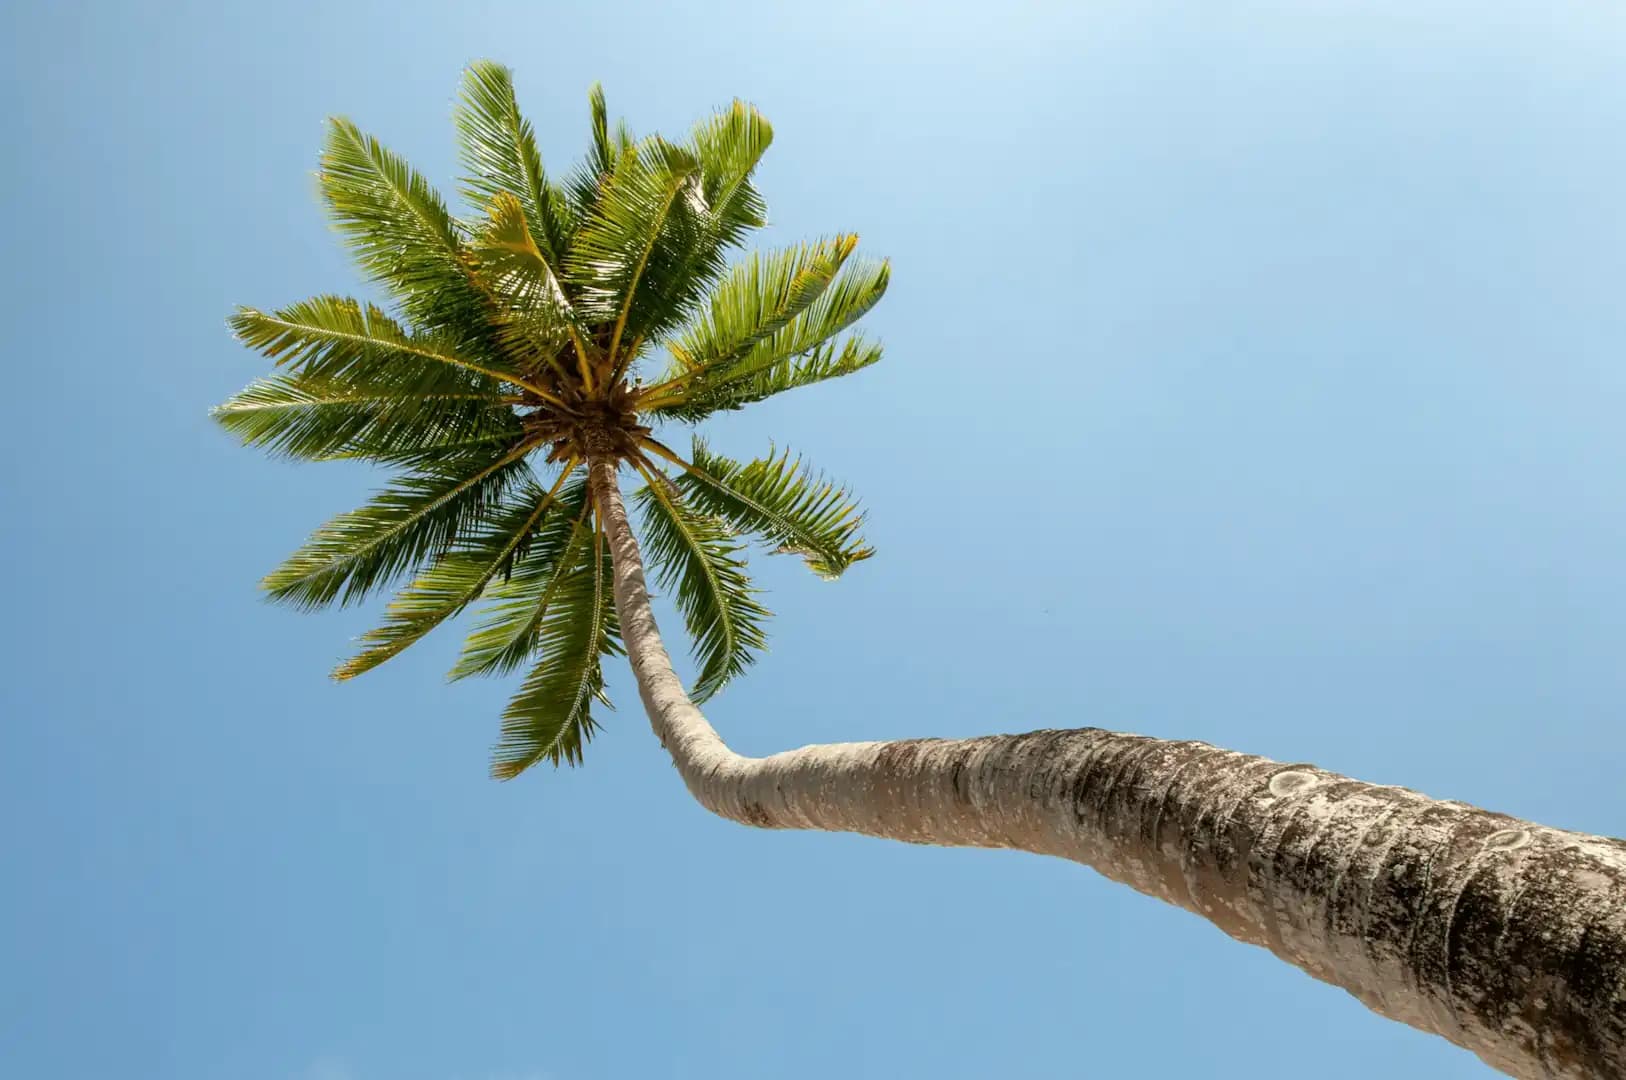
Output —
<point x="1255" y="375"/>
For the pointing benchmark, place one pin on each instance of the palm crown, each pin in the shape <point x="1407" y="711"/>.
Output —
<point x="511" y="360"/>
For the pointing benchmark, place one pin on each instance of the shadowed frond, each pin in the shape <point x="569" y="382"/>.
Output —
<point x="415" y="519"/>
<point x="789" y="506"/>
<point x="697" y="560"/>
<point x="458" y="578"/>
<point x="506" y="634"/>
<point x="498" y="148"/>
<point x="312" y="418"/>
<point x="551" y="715"/>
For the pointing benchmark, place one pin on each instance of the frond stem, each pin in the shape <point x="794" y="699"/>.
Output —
<point x="669" y="454"/>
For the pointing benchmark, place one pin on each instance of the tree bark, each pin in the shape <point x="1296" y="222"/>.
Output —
<point x="1506" y="937"/>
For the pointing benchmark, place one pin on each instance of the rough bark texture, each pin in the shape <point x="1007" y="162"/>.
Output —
<point x="1506" y="937"/>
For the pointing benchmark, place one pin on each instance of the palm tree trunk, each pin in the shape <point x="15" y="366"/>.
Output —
<point x="1505" y="937"/>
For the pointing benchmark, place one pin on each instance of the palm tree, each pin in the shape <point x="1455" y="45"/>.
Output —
<point x="505" y="389"/>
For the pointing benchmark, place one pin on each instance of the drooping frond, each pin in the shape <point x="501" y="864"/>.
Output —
<point x="408" y="523"/>
<point x="335" y="337"/>
<point x="506" y="634"/>
<point x="498" y="148"/>
<point x="697" y="560"/>
<point x="457" y="578"/>
<point x="551" y="715"/>
<point x="790" y="507"/>
<point x="692" y="382"/>
<point x="629" y="245"/>
<point x="401" y="232"/>
<point x="312" y="418"/>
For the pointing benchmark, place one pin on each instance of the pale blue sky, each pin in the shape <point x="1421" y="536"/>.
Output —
<point x="1255" y="375"/>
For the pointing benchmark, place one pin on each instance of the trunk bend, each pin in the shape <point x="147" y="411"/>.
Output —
<point x="1506" y="937"/>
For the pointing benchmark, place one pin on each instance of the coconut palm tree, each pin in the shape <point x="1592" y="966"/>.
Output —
<point x="514" y="383"/>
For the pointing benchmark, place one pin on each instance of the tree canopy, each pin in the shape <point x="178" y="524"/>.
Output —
<point x="513" y="351"/>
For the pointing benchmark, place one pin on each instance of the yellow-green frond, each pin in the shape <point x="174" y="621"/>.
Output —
<point x="756" y="299"/>
<point x="536" y="318"/>
<point x="828" y="361"/>
<point x="692" y="381"/>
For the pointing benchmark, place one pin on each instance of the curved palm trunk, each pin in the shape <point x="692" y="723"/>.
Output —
<point x="1505" y="937"/>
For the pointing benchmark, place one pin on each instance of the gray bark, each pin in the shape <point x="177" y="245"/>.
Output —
<point x="1506" y="937"/>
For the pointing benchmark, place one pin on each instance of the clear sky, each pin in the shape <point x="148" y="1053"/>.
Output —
<point x="1255" y="374"/>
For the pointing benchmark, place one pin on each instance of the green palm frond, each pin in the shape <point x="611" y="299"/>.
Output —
<point x="506" y="431"/>
<point x="730" y="145"/>
<point x="828" y="361"/>
<point x="498" y="148"/>
<point x="551" y="716"/>
<point x="336" y="337"/>
<point x="589" y="177"/>
<point x="856" y="289"/>
<point x="400" y="231"/>
<point x="755" y="300"/>
<point x="415" y="519"/>
<point x="696" y="559"/>
<point x="715" y="216"/>
<point x="791" y="507"/>
<point x="512" y="334"/>
<point x="536" y="316"/>
<point x="508" y="628"/>
<point x="603" y="153"/>
<point x="457" y="578"/>
<point x="313" y="418"/>
<point x="627" y="247"/>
